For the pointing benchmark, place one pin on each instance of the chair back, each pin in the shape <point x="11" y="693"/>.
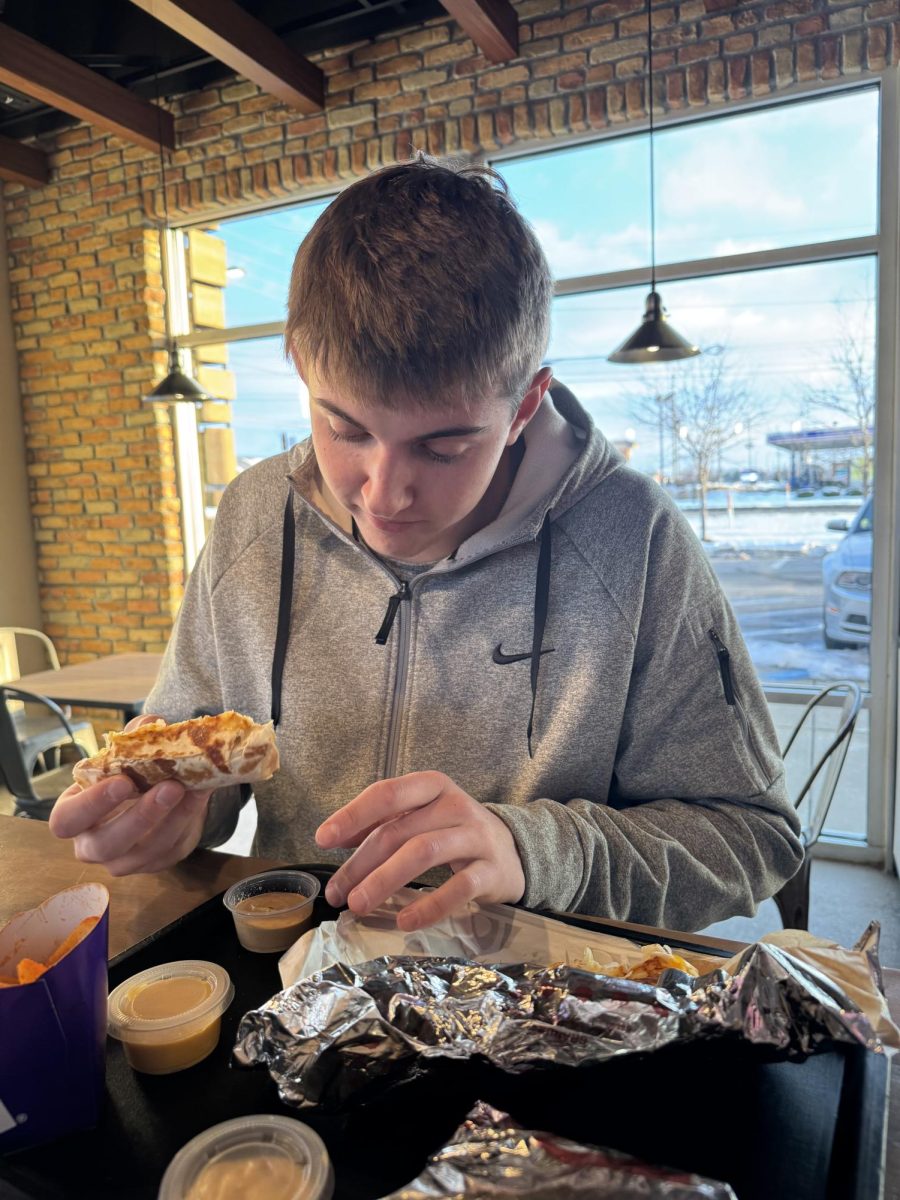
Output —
<point x="12" y="761"/>
<point x="10" y="670"/>
<point x="830" y="759"/>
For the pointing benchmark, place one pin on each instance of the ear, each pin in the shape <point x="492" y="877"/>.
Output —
<point x="531" y="402"/>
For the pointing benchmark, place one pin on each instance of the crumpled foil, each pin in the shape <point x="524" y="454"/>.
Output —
<point x="339" y="1029"/>
<point x="489" y="1155"/>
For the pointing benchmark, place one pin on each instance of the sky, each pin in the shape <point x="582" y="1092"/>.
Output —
<point x="800" y="173"/>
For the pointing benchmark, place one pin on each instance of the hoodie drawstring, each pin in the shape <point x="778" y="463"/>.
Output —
<point x="285" y="599"/>
<point x="541" y="604"/>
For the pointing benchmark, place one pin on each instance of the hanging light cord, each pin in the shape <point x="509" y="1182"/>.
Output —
<point x="652" y="171"/>
<point x="170" y="341"/>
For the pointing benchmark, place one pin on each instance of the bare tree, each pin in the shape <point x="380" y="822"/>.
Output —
<point x="705" y="407"/>
<point x="851" y="391"/>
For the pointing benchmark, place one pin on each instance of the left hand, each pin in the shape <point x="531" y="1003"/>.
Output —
<point x="407" y="825"/>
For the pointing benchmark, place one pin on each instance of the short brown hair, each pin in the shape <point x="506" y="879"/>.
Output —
<point x="419" y="284"/>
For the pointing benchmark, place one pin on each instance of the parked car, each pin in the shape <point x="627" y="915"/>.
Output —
<point x="847" y="581"/>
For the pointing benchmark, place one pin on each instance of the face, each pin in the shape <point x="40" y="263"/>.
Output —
<point x="417" y="483"/>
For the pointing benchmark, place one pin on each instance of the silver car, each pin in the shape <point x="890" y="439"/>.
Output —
<point x="847" y="580"/>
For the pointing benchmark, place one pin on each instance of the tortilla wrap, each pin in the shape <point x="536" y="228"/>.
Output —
<point x="204" y="753"/>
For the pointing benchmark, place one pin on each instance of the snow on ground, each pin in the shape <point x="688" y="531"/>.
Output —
<point x="825" y="666"/>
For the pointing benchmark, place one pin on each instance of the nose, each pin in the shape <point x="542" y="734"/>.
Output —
<point x="388" y="489"/>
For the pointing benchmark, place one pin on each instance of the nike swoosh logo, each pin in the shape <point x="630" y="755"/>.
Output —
<point x="502" y="659"/>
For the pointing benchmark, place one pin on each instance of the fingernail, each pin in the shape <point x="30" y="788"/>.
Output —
<point x="168" y="794"/>
<point x="326" y="835"/>
<point x="407" y="922"/>
<point x="358" y="901"/>
<point x="120" y="789"/>
<point x="334" y="894"/>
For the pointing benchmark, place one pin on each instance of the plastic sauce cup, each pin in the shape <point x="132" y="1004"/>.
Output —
<point x="271" y="910"/>
<point x="169" y="1017"/>
<point x="251" y="1158"/>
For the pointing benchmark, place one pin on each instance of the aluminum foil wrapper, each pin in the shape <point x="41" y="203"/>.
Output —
<point x="489" y="1155"/>
<point x="342" y="1028"/>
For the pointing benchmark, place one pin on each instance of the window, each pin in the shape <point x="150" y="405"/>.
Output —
<point x="765" y="441"/>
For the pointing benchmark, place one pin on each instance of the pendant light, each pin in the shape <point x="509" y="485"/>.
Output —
<point x="654" y="340"/>
<point x="176" y="386"/>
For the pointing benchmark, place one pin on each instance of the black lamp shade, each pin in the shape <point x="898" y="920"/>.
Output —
<point x="654" y="340"/>
<point x="177" y="386"/>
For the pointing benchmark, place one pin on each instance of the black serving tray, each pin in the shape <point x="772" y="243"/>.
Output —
<point x="725" y="1108"/>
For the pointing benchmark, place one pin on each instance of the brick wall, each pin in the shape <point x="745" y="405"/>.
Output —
<point x="85" y="274"/>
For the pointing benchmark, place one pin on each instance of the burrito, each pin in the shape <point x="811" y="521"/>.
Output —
<point x="204" y="753"/>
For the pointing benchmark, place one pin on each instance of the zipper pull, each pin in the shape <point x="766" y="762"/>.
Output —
<point x="383" y="633"/>
<point x="724" y="666"/>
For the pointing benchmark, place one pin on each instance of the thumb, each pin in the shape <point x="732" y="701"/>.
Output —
<point x="145" y="719"/>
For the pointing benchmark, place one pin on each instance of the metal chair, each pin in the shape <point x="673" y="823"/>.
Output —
<point x="35" y="795"/>
<point x="793" y="898"/>
<point x="38" y="735"/>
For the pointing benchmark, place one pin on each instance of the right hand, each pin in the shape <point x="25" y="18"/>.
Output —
<point x="128" y="832"/>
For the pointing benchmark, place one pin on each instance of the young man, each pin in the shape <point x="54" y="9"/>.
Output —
<point x="503" y="652"/>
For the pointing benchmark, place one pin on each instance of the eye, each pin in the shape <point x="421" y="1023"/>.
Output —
<point x="346" y="434"/>
<point x="436" y="456"/>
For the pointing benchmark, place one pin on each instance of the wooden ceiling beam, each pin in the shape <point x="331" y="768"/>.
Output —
<point x="23" y="164"/>
<point x="491" y="24"/>
<point x="226" y="31"/>
<point x="39" y="72"/>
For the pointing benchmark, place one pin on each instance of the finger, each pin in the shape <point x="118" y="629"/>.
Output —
<point x="432" y="849"/>
<point x="107" y="841"/>
<point x="381" y="843"/>
<point x="79" y="809"/>
<point x="166" y="846"/>
<point x="380" y="802"/>
<point x="452" y="896"/>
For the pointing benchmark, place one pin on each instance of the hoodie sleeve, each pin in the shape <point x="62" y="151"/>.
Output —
<point x="189" y="684"/>
<point x="697" y="826"/>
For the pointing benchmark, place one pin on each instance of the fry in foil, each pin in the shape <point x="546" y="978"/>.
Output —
<point x="491" y="1156"/>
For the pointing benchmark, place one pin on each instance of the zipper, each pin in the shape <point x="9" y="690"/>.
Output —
<point x="394" y="603"/>
<point x="723" y="656"/>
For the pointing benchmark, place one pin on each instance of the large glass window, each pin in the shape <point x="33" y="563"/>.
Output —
<point x="766" y="440"/>
<point x="796" y="174"/>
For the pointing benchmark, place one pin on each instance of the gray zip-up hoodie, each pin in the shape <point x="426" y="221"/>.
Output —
<point x="654" y="790"/>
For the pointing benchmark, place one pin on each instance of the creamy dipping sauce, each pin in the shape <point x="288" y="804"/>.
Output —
<point x="167" y="997"/>
<point x="169" y="1017"/>
<point x="264" y="1176"/>
<point x="271" y="921"/>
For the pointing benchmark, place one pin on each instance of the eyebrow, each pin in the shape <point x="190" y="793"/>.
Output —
<point x="452" y="432"/>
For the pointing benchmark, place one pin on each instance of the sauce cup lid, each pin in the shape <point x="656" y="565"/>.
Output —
<point x="306" y="887"/>
<point x="244" y="1138"/>
<point x="123" y="1021"/>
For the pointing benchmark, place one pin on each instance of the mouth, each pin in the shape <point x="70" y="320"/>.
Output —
<point x="388" y="526"/>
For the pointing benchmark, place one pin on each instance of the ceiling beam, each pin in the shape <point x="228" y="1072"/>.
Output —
<point x="225" y="30"/>
<point x="23" y="164"/>
<point x="39" y="72"/>
<point x="491" y="24"/>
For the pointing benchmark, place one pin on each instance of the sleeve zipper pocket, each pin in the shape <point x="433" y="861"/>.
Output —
<point x="724" y="658"/>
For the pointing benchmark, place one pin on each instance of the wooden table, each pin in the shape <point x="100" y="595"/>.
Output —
<point x="121" y="681"/>
<point x="34" y="864"/>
